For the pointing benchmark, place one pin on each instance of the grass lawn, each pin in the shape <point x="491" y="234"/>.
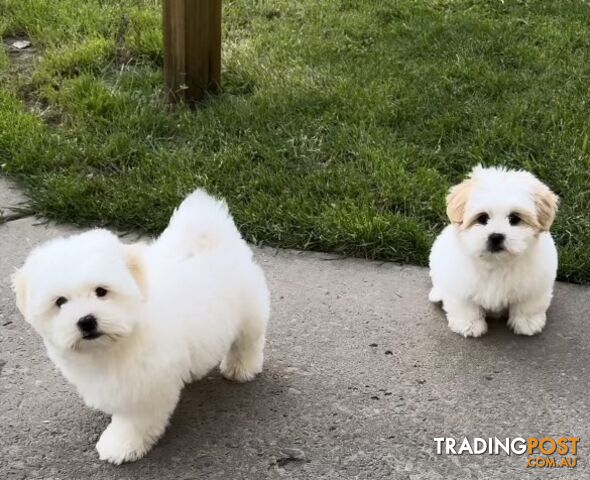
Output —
<point x="341" y="125"/>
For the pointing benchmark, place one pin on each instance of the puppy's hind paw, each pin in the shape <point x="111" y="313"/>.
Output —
<point x="527" y="325"/>
<point x="241" y="367"/>
<point x="244" y="360"/>
<point x="238" y="372"/>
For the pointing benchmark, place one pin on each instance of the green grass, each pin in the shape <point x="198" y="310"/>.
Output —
<point x="341" y="125"/>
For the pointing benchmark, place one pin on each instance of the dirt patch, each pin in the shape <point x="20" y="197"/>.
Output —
<point x="22" y="54"/>
<point x="24" y="57"/>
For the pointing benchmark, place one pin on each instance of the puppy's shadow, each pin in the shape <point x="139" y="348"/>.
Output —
<point x="520" y="357"/>
<point x="214" y="411"/>
<point x="497" y="325"/>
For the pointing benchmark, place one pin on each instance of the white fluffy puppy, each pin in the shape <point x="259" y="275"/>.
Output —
<point x="129" y="325"/>
<point x="497" y="254"/>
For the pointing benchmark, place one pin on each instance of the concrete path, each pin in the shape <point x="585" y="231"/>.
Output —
<point x="361" y="374"/>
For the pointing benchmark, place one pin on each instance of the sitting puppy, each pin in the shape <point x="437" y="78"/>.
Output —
<point x="497" y="254"/>
<point x="129" y="325"/>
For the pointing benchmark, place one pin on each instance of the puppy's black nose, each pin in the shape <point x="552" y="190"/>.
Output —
<point x="87" y="324"/>
<point x="496" y="242"/>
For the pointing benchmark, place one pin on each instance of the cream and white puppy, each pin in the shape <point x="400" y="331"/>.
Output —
<point x="497" y="254"/>
<point x="129" y="325"/>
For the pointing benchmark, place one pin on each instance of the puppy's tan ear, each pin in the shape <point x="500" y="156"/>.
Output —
<point x="136" y="266"/>
<point x="19" y="285"/>
<point x="456" y="200"/>
<point x="546" y="203"/>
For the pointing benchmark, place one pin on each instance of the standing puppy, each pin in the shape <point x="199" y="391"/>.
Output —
<point x="130" y="325"/>
<point x="497" y="254"/>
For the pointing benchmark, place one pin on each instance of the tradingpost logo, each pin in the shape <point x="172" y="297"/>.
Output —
<point x="541" y="452"/>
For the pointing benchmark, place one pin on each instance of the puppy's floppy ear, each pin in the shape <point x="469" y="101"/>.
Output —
<point x="546" y="204"/>
<point x="19" y="285"/>
<point x="136" y="266"/>
<point x="456" y="200"/>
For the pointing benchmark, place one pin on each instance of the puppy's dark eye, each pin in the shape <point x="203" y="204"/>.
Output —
<point x="60" y="301"/>
<point x="101" y="292"/>
<point x="482" y="218"/>
<point x="514" y="219"/>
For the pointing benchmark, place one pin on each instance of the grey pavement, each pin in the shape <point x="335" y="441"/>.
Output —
<point x="361" y="373"/>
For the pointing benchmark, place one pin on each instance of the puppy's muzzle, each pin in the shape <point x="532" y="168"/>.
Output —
<point x="89" y="327"/>
<point x="496" y="242"/>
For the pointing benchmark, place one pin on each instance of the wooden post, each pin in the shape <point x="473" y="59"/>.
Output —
<point x="192" y="48"/>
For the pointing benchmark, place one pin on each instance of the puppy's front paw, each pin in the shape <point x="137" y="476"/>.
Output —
<point x="470" y="327"/>
<point x="527" y="324"/>
<point x="120" y="443"/>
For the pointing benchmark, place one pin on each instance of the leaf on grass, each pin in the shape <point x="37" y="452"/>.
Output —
<point x="21" y="44"/>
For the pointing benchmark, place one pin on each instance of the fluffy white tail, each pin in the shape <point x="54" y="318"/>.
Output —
<point x="201" y="223"/>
